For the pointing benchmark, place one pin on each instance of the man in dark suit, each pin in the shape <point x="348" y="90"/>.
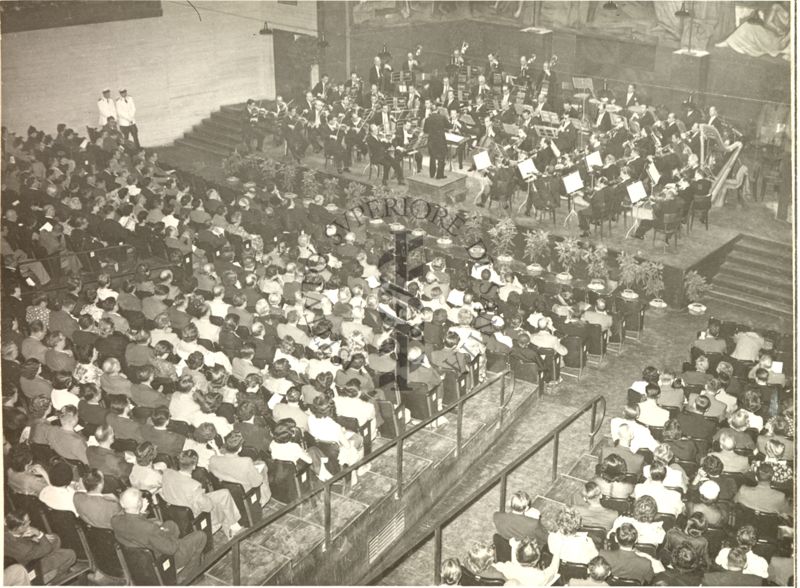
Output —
<point x="133" y="529"/>
<point x="625" y="563"/>
<point x="434" y="127"/>
<point x="378" y="155"/>
<point x="634" y="461"/>
<point x="694" y="424"/>
<point x="597" y="205"/>
<point x="110" y="230"/>
<point x="713" y="118"/>
<point x="403" y="140"/>
<point x="669" y="205"/>
<point x="94" y="507"/>
<point x="376" y="72"/>
<point x="101" y="457"/>
<point x="517" y="524"/>
<point x="166" y="441"/>
<point x="734" y="575"/>
<point x="762" y="497"/>
<point x="320" y="90"/>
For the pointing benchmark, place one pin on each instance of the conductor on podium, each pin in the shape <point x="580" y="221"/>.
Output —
<point x="434" y="127"/>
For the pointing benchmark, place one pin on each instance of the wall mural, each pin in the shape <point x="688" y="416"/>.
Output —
<point x="763" y="27"/>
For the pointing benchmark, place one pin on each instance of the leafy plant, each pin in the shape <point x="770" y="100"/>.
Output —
<point x="472" y="230"/>
<point x="630" y="270"/>
<point x="596" y="264"/>
<point x="569" y="253"/>
<point x="288" y="177"/>
<point x="652" y="278"/>
<point x="695" y="286"/>
<point x="269" y="170"/>
<point x="233" y="164"/>
<point x="503" y="235"/>
<point x="354" y="193"/>
<point x="380" y="192"/>
<point x="311" y="185"/>
<point x="537" y="246"/>
<point x="330" y="189"/>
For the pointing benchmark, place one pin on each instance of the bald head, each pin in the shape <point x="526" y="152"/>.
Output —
<point x="625" y="435"/>
<point x="131" y="501"/>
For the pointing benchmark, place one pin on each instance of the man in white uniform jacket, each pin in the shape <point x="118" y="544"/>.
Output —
<point x="126" y="112"/>
<point x="106" y="108"/>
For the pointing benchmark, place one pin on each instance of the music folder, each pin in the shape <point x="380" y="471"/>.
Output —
<point x="594" y="160"/>
<point x="527" y="168"/>
<point x="453" y="138"/>
<point x="572" y="182"/>
<point x="482" y="160"/>
<point x="556" y="151"/>
<point x="636" y="192"/>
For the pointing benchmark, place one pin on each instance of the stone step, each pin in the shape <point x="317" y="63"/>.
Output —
<point x="232" y="117"/>
<point x="761" y="262"/>
<point x="221" y="129"/>
<point x="739" y="273"/>
<point x="223" y="123"/>
<point x="213" y="139"/>
<point x="754" y="287"/>
<point x="748" y="301"/>
<point x="766" y="247"/>
<point x="748" y="315"/>
<point x="201" y="146"/>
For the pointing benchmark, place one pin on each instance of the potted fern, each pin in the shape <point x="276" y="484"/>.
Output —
<point x="354" y="193"/>
<point x="330" y="189"/>
<point x="653" y="283"/>
<point x="287" y="176"/>
<point x="269" y="170"/>
<point x="537" y="250"/>
<point x="597" y="267"/>
<point x="568" y="252"/>
<point x="232" y="165"/>
<point x="630" y="274"/>
<point x="472" y="231"/>
<point x="503" y="235"/>
<point x="696" y="288"/>
<point x="310" y="184"/>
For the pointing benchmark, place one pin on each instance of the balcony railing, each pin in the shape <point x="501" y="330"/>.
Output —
<point x="499" y="479"/>
<point x="233" y="546"/>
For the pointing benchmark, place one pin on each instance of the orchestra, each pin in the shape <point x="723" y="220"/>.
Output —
<point x="513" y="116"/>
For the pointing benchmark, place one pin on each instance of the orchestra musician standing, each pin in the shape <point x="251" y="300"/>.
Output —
<point x="379" y="155"/>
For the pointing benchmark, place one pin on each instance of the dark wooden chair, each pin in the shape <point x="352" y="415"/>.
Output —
<point x="186" y="521"/>
<point x="621" y="505"/>
<point x="248" y="503"/>
<point x="575" y="359"/>
<point x="596" y="534"/>
<point x="572" y="571"/>
<point x="102" y="551"/>
<point x="67" y="526"/>
<point x="470" y="579"/>
<point x="286" y="483"/>
<point x="393" y="419"/>
<point x="668" y="225"/>
<point x="144" y="568"/>
<point x="502" y="548"/>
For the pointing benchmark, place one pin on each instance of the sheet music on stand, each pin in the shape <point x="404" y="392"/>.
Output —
<point x="548" y="132"/>
<point x="636" y="192"/>
<point x="594" y="160"/>
<point x="549" y="117"/>
<point x="572" y="182"/>
<point x="527" y="169"/>
<point x="482" y="160"/>
<point x="652" y="171"/>
<point x="510" y="129"/>
<point x="583" y="84"/>
<point x="453" y="138"/>
<point x="554" y="148"/>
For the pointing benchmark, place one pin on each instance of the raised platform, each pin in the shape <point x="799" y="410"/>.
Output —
<point x="451" y="190"/>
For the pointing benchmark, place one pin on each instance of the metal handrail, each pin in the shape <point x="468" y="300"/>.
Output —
<point x="500" y="479"/>
<point x="233" y="545"/>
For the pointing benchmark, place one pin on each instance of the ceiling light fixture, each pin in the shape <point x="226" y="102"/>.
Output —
<point x="610" y="6"/>
<point x="682" y="12"/>
<point x="265" y="30"/>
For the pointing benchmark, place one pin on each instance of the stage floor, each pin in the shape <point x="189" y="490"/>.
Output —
<point x="754" y="218"/>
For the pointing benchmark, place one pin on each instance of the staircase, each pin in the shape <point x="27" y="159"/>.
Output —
<point x="218" y="134"/>
<point x="756" y="277"/>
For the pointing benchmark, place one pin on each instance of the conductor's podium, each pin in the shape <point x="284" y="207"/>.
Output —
<point x="451" y="190"/>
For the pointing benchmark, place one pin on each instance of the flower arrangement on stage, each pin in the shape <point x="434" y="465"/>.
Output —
<point x="537" y="250"/>
<point x="695" y="287"/>
<point x="503" y="235"/>
<point x="569" y="253"/>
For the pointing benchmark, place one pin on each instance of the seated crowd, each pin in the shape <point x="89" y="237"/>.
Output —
<point x="269" y="350"/>
<point x="695" y="489"/>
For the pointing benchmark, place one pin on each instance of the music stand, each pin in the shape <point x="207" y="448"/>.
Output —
<point x="594" y="160"/>
<point x="527" y="169"/>
<point x="547" y="132"/>
<point x="482" y="160"/>
<point x="636" y="193"/>
<point x="653" y="173"/>
<point x="548" y="117"/>
<point x="572" y="183"/>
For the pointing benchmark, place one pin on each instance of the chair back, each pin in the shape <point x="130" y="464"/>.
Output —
<point x="331" y="451"/>
<point x="569" y="571"/>
<point x="393" y="419"/>
<point x="614" y="581"/>
<point x="284" y="482"/>
<point x="31" y="505"/>
<point x="576" y="351"/>
<point x="145" y="568"/>
<point x="180" y="515"/>
<point x="42" y="454"/>
<point x="496" y="362"/>
<point x="621" y="505"/>
<point x="715" y="537"/>
<point x="502" y="548"/>
<point x="114" y="485"/>
<point x="450" y="386"/>
<point x="766" y="524"/>
<point x="419" y="402"/>
<point x="647" y="548"/>
<point x="248" y="503"/>
<point x="104" y="555"/>
<point x="596" y="534"/>
<point x="66" y="525"/>
<point x="474" y="371"/>
<point x="349" y="423"/>
<point x="470" y="579"/>
<point x="527" y="371"/>
<point x="365" y="431"/>
<point x="670" y="221"/>
<point x="596" y="342"/>
<point x="667" y="520"/>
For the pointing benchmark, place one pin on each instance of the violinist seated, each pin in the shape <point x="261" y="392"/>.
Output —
<point x="383" y="119"/>
<point x="500" y="186"/>
<point x="482" y="89"/>
<point x="459" y="128"/>
<point x="379" y="155"/>
<point x="333" y="139"/>
<point x="404" y="140"/>
<point x="667" y="204"/>
<point x="450" y="101"/>
<point x="597" y="202"/>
